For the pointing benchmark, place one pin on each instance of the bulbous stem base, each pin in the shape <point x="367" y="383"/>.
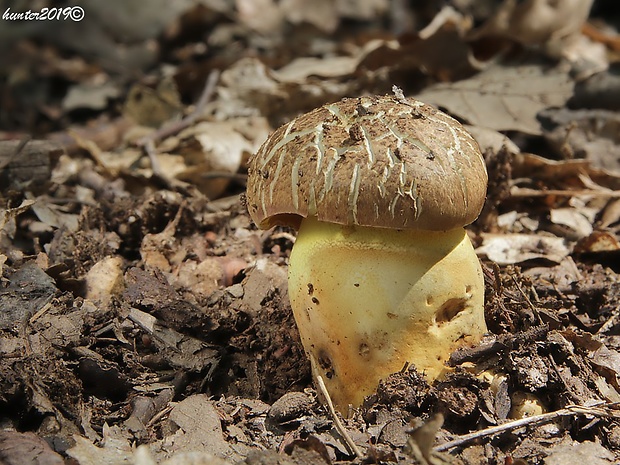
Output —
<point x="369" y="300"/>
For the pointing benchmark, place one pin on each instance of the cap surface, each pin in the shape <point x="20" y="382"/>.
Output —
<point x="369" y="161"/>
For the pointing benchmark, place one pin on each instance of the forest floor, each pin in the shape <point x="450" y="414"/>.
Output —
<point x="145" y="319"/>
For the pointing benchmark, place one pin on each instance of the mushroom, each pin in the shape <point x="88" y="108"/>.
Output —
<point x="382" y="273"/>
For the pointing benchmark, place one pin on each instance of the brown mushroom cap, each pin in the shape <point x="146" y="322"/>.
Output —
<point x="369" y="161"/>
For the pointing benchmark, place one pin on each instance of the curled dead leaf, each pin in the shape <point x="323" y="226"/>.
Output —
<point x="507" y="249"/>
<point x="503" y="98"/>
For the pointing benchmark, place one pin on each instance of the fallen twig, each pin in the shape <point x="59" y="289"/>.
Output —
<point x="176" y="126"/>
<point x="599" y="410"/>
<point x="339" y="426"/>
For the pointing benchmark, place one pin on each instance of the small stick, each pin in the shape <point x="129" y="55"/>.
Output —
<point x="339" y="426"/>
<point x="149" y="147"/>
<point x="596" y="410"/>
<point x="41" y="312"/>
<point x="173" y="128"/>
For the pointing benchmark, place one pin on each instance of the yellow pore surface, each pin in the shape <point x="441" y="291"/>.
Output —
<point x="368" y="300"/>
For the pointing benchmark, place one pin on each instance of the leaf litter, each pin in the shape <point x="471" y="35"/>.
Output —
<point x="146" y="320"/>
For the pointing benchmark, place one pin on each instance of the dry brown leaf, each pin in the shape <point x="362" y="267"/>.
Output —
<point x="153" y="107"/>
<point x="421" y="440"/>
<point x="178" y="350"/>
<point x="91" y="95"/>
<point x="578" y="453"/>
<point x="199" y="429"/>
<point x="9" y="214"/>
<point x="157" y="250"/>
<point x="194" y="458"/>
<point x="564" y="172"/>
<point x="517" y="222"/>
<point x="553" y="26"/>
<point x="26" y="448"/>
<point x="598" y="242"/>
<point x="574" y="219"/>
<point x="439" y="50"/>
<point x="26" y="164"/>
<point x="564" y="275"/>
<point x="249" y="86"/>
<point x="504" y="98"/>
<point x="118" y="35"/>
<point x="263" y="16"/>
<point x="208" y="154"/>
<point x="447" y="15"/>
<point x="607" y="363"/>
<point x="363" y="10"/>
<point x="536" y="22"/>
<point x="269" y="17"/>
<point x="322" y="14"/>
<point x="508" y="249"/>
<point x="489" y="139"/>
<point x="213" y="151"/>
<point x="262" y="280"/>
<point x="610" y="214"/>
<point x="202" y="278"/>
<point x="116" y="448"/>
<point x="104" y="280"/>
<point x="593" y="135"/>
<point x="54" y="216"/>
<point x="603" y="34"/>
<point x="29" y="289"/>
<point x="313" y="449"/>
<point x="300" y="69"/>
<point x="121" y="162"/>
<point x="587" y="56"/>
